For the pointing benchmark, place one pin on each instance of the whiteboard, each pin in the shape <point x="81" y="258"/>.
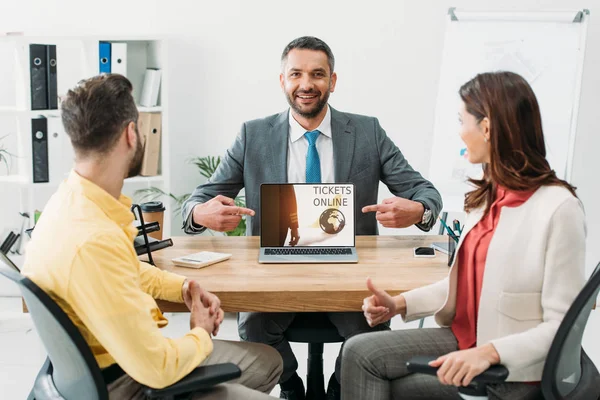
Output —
<point x="546" y="48"/>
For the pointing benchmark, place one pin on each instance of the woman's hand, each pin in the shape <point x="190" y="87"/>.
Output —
<point x="380" y="307"/>
<point x="460" y="367"/>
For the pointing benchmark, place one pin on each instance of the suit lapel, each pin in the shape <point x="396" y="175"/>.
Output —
<point x="473" y="219"/>
<point x="278" y="146"/>
<point x="343" y="137"/>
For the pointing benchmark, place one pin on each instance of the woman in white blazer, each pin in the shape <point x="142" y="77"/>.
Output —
<point x="519" y="265"/>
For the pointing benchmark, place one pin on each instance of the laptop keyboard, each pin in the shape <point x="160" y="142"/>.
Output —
<point x="333" y="251"/>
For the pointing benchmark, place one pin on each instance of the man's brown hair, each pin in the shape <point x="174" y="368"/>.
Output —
<point x="97" y="111"/>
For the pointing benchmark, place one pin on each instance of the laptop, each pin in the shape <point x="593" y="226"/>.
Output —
<point x="307" y="223"/>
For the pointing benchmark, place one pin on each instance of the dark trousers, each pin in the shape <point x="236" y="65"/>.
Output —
<point x="269" y="328"/>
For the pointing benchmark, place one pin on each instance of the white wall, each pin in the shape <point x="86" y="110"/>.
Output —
<point x="224" y="66"/>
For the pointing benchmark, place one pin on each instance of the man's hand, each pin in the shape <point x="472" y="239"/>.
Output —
<point x="460" y="367"/>
<point x="397" y="212"/>
<point x="186" y="293"/>
<point x="200" y="316"/>
<point x="213" y="303"/>
<point x="218" y="321"/>
<point x="219" y="214"/>
<point x="380" y="307"/>
<point x="294" y="236"/>
<point x="208" y="300"/>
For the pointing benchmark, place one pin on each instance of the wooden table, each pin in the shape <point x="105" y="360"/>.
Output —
<point x="243" y="284"/>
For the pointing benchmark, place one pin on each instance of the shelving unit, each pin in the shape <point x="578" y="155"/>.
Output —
<point x="77" y="59"/>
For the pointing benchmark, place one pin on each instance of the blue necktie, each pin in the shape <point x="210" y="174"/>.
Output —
<point x="313" y="164"/>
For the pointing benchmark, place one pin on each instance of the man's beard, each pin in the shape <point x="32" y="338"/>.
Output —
<point x="307" y="114"/>
<point x="135" y="167"/>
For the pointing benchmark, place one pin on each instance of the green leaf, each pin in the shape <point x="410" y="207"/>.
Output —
<point x="240" y="201"/>
<point x="207" y="165"/>
<point x="240" y="230"/>
<point x="5" y="155"/>
<point x="148" y="194"/>
<point x="4" y="159"/>
<point x="154" y="193"/>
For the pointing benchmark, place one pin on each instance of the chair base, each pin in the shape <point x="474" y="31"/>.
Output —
<point x="315" y="381"/>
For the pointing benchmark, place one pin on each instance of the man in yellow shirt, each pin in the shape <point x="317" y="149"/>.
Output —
<point x="82" y="255"/>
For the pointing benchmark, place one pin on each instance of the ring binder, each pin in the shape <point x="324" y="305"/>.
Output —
<point x="39" y="149"/>
<point x="104" y="60"/>
<point x="51" y="80"/>
<point x="38" y="76"/>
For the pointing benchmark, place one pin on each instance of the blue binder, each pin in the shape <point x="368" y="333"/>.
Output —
<point x="104" y="53"/>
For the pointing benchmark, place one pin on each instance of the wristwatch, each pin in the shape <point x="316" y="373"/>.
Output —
<point x="426" y="214"/>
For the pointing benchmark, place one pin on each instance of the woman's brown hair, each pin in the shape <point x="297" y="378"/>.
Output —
<point x="518" y="152"/>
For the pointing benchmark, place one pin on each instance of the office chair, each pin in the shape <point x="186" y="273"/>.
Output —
<point x="70" y="371"/>
<point x="568" y="371"/>
<point x="314" y="329"/>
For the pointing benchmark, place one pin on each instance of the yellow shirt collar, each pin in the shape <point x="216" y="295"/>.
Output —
<point x="117" y="210"/>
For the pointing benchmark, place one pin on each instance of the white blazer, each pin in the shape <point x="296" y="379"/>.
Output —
<point x="534" y="270"/>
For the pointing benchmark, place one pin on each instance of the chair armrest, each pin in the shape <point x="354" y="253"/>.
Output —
<point x="494" y="374"/>
<point x="43" y="386"/>
<point x="199" y="379"/>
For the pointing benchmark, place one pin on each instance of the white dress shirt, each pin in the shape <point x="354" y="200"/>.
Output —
<point x="298" y="148"/>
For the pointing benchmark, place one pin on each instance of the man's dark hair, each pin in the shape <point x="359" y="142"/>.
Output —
<point x="95" y="112"/>
<point x="310" y="43"/>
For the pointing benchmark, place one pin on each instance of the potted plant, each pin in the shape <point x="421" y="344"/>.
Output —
<point x="206" y="166"/>
<point x="5" y="156"/>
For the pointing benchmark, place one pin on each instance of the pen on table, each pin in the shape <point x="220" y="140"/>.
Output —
<point x="450" y="231"/>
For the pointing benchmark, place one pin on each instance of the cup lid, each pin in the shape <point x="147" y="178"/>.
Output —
<point x="152" y="206"/>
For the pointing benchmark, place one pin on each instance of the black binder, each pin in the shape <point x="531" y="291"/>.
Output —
<point x="39" y="76"/>
<point x="39" y="148"/>
<point x="51" y="68"/>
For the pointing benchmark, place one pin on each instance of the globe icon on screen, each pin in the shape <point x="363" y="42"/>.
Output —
<point x="332" y="221"/>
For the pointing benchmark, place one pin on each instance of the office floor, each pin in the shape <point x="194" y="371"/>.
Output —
<point x="22" y="353"/>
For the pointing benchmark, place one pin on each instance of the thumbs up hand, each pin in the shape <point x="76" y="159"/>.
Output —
<point x="380" y="306"/>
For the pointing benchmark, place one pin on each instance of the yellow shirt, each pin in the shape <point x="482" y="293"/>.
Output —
<point x="82" y="255"/>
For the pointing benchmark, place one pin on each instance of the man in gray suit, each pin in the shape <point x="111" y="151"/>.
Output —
<point x="311" y="142"/>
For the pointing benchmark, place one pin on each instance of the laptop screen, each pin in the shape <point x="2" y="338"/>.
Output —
<point x="307" y="215"/>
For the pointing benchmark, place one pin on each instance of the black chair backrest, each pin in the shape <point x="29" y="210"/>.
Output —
<point x="565" y="364"/>
<point x="76" y="374"/>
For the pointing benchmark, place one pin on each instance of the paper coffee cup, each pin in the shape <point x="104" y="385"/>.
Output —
<point x="154" y="211"/>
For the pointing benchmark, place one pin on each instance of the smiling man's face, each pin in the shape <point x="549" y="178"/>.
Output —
<point x="307" y="82"/>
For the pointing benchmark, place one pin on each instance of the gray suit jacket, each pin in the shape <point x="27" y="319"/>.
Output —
<point x="362" y="152"/>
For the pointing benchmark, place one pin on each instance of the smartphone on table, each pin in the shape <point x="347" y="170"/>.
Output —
<point x="424" y="252"/>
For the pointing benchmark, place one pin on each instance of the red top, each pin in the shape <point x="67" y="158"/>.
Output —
<point x="471" y="266"/>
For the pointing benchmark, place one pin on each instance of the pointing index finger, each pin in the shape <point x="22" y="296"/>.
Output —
<point x="370" y="208"/>
<point x="235" y="210"/>
<point x="242" y="211"/>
